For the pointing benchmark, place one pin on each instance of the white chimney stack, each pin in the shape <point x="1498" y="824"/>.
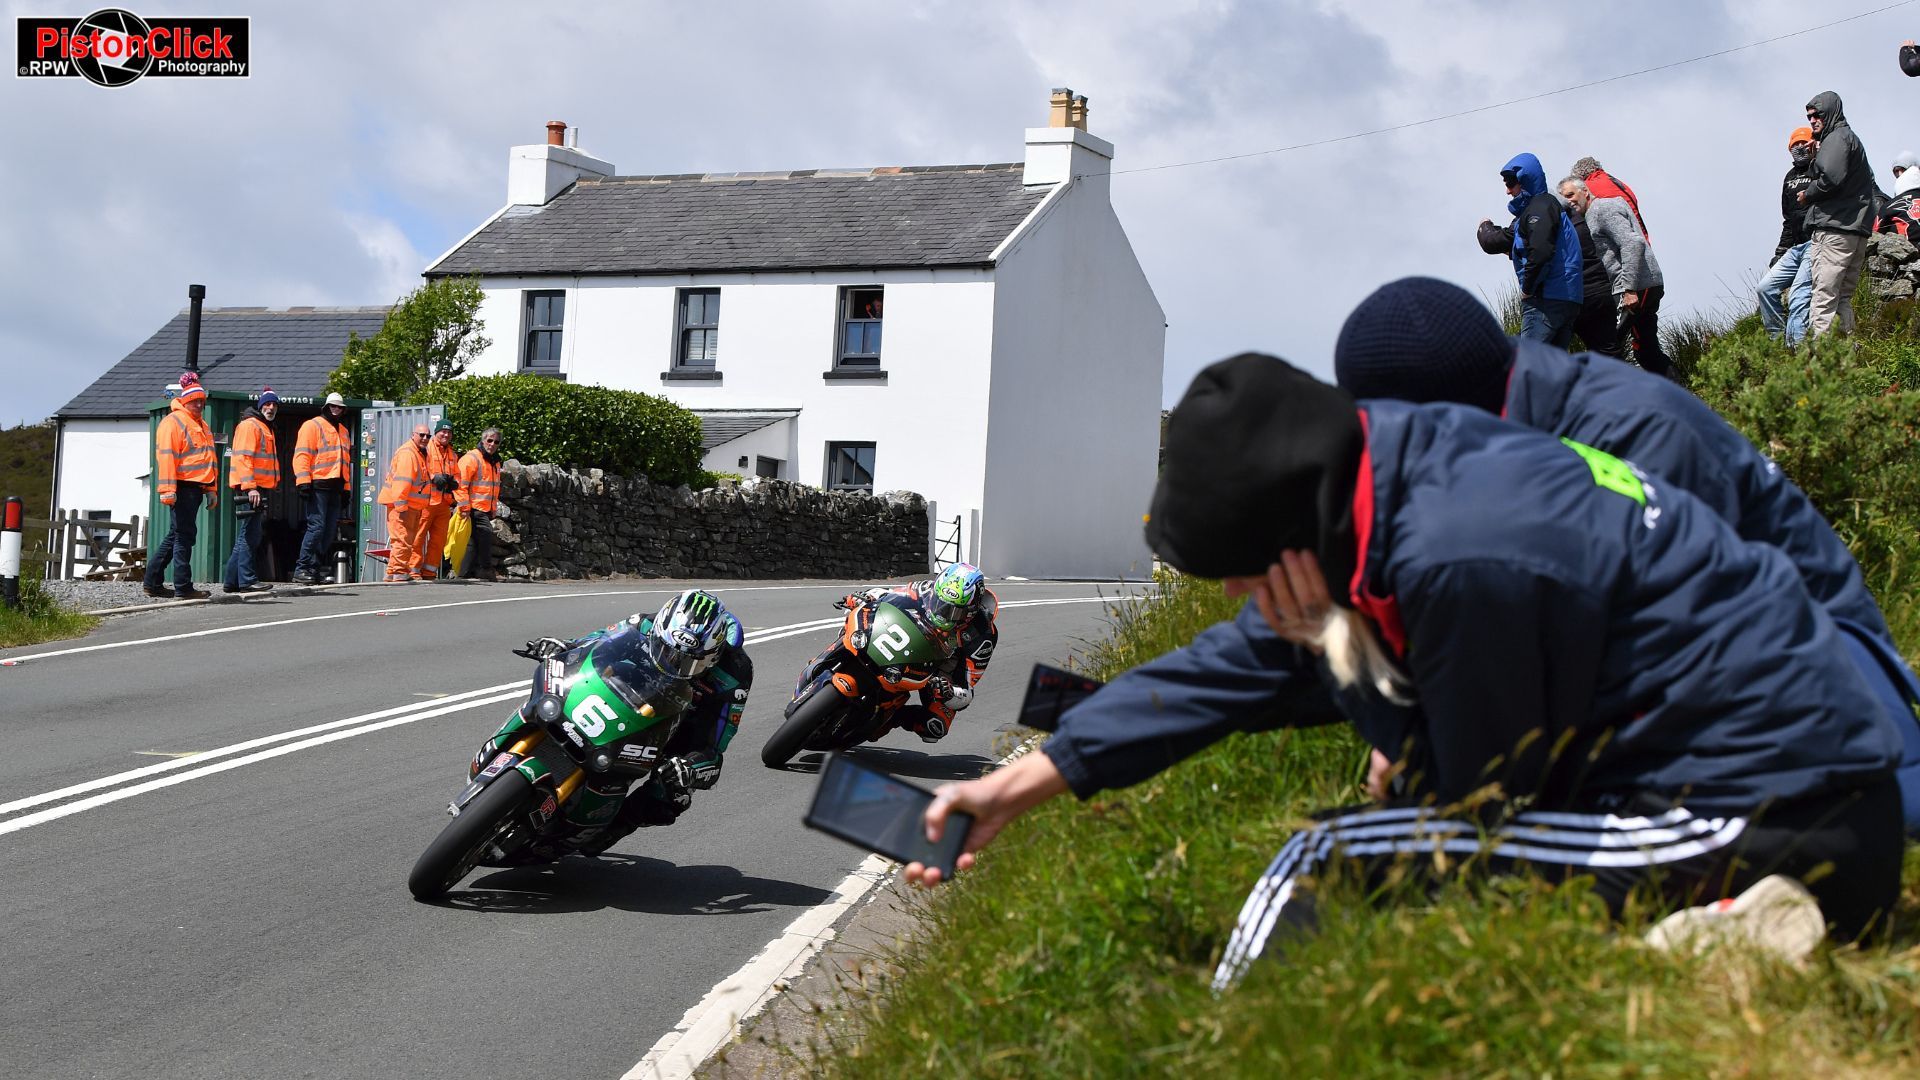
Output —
<point x="535" y="174"/>
<point x="1063" y="150"/>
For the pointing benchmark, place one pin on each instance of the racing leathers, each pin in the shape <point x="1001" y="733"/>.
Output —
<point x="951" y="688"/>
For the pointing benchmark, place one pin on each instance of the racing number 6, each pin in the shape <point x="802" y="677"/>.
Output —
<point x="893" y="641"/>
<point x="591" y="716"/>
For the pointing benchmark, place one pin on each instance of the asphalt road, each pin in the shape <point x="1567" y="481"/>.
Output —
<point x="246" y="915"/>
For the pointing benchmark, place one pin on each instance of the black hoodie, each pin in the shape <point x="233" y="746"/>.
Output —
<point x="1841" y="196"/>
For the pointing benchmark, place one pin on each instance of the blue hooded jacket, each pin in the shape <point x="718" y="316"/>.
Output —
<point x="1546" y="248"/>
<point x="1532" y="586"/>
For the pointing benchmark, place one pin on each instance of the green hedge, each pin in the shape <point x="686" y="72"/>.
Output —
<point x="586" y="427"/>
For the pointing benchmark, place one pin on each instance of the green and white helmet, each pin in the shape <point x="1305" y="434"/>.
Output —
<point x="953" y="592"/>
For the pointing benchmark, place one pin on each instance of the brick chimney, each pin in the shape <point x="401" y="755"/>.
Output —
<point x="1063" y="149"/>
<point x="536" y="173"/>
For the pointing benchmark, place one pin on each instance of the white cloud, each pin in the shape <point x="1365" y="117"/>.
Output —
<point x="350" y="153"/>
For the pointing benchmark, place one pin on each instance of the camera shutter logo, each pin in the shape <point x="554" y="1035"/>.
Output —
<point x="115" y="47"/>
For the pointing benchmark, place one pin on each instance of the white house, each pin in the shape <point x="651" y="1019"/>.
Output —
<point x="981" y="334"/>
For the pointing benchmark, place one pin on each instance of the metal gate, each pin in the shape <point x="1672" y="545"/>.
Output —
<point x="382" y="431"/>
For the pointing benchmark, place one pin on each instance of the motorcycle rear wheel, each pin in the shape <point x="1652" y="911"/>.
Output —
<point x="457" y="850"/>
<point x="812" y="715"/>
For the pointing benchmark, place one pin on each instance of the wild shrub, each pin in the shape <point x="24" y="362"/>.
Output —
<point x="586" y="427"/>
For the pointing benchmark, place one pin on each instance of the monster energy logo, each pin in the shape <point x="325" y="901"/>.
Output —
<point x="700" y="607"/>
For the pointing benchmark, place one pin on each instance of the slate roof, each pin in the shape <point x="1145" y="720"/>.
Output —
<point x="915" y="216"/>
<point x="719" y="426"/>
<point x="292" y="350"/>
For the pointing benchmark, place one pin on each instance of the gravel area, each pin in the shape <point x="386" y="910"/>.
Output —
<point x="97" y="595"/>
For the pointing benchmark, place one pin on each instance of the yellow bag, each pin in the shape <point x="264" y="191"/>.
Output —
<point x="459" y="531"/>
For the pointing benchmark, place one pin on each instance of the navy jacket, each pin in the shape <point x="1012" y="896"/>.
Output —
<point x="1664" y="429"/>
<point x="1546" y="250"/>
<point x="1573" y="630"/>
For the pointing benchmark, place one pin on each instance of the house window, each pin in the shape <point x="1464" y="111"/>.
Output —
<point x="850" y="466"/>
<point x="860" y="326"/>
<point x="699" y="345"/>
<point x="766" y="468"/>
<point x="546" y="314"/>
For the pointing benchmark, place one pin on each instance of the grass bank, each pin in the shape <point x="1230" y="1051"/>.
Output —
<point x="38" y="618"/>
<point x="1083" y="943"/>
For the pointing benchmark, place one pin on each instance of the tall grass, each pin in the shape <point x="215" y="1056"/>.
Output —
<point x="39" y="618"/>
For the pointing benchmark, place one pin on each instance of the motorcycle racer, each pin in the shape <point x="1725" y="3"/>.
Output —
<point x="956" y="601"/>
<point x="693" y="637"/>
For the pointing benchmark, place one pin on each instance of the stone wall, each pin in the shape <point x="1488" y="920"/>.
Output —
<point x="1893" y="267"/>
<point x="558" y="523"/>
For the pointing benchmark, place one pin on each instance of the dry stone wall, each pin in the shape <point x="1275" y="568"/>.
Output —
<point x="1893" y="267"/>
<point x="559" y="523"/>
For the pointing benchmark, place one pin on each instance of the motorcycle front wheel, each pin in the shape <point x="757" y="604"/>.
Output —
<point x="812" y="715"/>
<point x="454" y="853"/>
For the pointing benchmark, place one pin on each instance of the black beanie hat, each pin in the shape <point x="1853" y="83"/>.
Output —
<point x="1422" y="339"/>
<point x="1261" y="458"/>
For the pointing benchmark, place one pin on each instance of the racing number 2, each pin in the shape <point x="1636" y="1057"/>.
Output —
<point x="895" y="640"/>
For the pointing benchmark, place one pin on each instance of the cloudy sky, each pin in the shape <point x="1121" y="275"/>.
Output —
<point x="366" y="144"/>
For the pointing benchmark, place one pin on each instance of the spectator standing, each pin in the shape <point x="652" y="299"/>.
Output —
<point x="479" y="495"/>
<point x="186" y="473"/>
<point x="405" y="497"/>
<point x="1546" y="254"/>
<point x="1633" y="274"/>
<point x="322" y="473"/>
<point x="1897" y="215"/>
<point x="255" y="470"/>
<point x="1791" y="271"/>
<point x="1604" y="185"/>
<point x="443" y="482"/>
<point x="1840" y="211"/>
<point x="1599" y="321"/>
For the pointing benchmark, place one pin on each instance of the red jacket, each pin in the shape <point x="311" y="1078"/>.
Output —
<point x="1605" y="186"/>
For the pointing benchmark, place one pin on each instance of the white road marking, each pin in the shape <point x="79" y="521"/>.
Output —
<point x="320" y="735"/>
<point x="712" y="1022"/>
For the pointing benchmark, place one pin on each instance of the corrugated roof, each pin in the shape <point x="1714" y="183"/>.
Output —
<point x="946" y="215"/>
<point x="292" y="350"/>
<point x="719" y="426"/>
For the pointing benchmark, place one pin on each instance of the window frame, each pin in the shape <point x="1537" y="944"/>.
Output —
<point x="834" y="450"/>
<point x="862" y="362"/>
<point x="681" y="328"/>
<point x="529" y="329"/>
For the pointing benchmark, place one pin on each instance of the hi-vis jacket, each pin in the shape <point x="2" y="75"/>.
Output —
<point x="479" y="483"/>
<point x="183" y="453"/>
<point x="323" y="451"/>
<point x="254" y="455"/>
<point x="442" y="461"/>
<point x="1574" y="630"/>
<point x="406" y="487"/>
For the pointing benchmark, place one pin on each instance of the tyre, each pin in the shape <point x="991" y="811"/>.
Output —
<point x="812" y="715"/>
<point x="453" y="853"/>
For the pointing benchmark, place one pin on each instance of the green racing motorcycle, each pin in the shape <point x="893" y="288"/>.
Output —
<point x="600" y="711"/>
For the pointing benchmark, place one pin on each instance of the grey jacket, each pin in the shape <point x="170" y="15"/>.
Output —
<point x="1841" y="196"/>
<point x="1623" y="250"/>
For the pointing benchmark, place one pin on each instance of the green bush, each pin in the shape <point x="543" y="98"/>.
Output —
<point x="39" y="618"/>
<point x="432" y="334"/>
<point x="586" y="427"/>
<point x="1837" y="418"/>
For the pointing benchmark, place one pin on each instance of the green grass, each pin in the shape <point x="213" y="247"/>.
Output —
<point x="38" y="618"/>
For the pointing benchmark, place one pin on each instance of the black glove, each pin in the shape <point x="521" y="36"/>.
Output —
<point x="443" y="482"/>
<point x="941" y="687"/>
<point x="544" y="648"/>
<point x="304" y="489"/>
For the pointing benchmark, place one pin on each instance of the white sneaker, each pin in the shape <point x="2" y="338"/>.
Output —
<point x="1776" y="915"/>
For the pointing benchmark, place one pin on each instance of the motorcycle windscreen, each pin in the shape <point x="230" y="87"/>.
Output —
<point x="895" y="640"/>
